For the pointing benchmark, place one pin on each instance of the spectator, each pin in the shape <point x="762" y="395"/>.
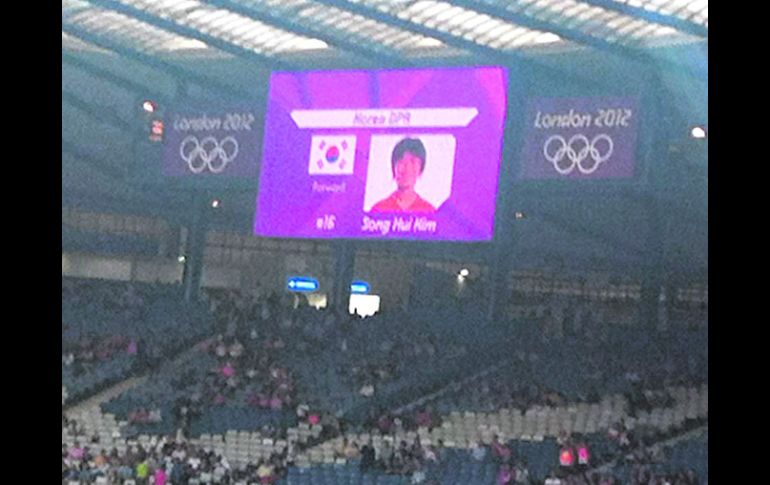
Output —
<point x="583" y="454"/>
<point x="430" y="455"/>
<point x="76" y="452"/>
<point x="339" y="451"/>
<point x="367" y="390"/>
<point x="351" y="451"/>
<point x="499" y="451"/>
<point x="265" y="473"/>
<point x="479" y="452"/>
<point x="522" y="472"/>
<point x="553" y="479"/>
<point x="386" y="455"/>
<point x="367" y="457"/>
<point x="160" y="475"/>
<point x="418" y="476"/>
<point x="505" y="475"/>
<point x="142" y="472"/>
<point x="567" y="456"/>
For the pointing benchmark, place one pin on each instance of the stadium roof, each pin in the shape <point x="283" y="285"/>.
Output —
<point x="392" y="30"/>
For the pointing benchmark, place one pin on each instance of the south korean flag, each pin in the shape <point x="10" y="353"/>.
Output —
<point x="332" y="155"/>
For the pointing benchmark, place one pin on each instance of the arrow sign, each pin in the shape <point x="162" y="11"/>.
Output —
<point x="302" y="284"/>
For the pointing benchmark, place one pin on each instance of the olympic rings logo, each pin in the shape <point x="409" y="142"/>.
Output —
<point x="576" y="151"/>
<point x="208" y="153"/>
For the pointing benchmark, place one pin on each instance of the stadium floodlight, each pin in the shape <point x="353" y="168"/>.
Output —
<point x="698" y="132"/>
<point x="149" y="106"/>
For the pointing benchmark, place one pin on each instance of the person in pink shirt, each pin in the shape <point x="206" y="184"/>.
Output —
<point x="160" y="476"/>
<point x="499" y="450"/>
<point x="425" y="418"/>
<point x="505" y="475"/>
<point x="583" y="454"/>
<point x="76" y="452"/>
<point x="228" y="370"/>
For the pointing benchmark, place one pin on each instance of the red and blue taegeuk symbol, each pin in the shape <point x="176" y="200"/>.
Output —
<point x="332" y="154"/>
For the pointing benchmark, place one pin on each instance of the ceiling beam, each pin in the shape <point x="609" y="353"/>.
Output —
<point x="572" y="35"/>
<point x="177" y="72"/>
<point x="105" y="116"/>
<point x="158" y="202"/>
<point x="336" y="38"/>
<point x="189" y="32"/>
<point x="533" y="23"/>
<point x="651" y="16"/>
<point x="75" y="152"/>
<point x="113" y="78"/>
<point x="489" y="53"/>
<point x="97" y="112"/>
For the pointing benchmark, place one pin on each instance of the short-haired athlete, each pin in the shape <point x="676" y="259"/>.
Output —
<point x="407" y="163"/>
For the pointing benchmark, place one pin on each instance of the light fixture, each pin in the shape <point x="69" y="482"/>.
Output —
<point x="698" y="132"/>
<point x="181" y="258"/>
<point x="148" y="106"/>
<point x="464" y="272"/>
<point x="519" y="215"/>
<point x="215" y="203"/>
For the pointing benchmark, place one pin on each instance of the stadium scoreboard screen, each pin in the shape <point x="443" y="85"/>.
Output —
<point x="388" y="154"/>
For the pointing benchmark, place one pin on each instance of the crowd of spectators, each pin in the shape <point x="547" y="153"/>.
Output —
<point x="84" y="342"/>
<point x="167" y="461"/>
<point x="239" y="367"/>
<point x="401" y="458"/>
<point x="642" y="477"/>
<point x="637" y="457"/>
<point x="582" y="368"/>
<point x="112" y="329"/>
<point x="83" y="355"/>
<point x="271" y="355"/>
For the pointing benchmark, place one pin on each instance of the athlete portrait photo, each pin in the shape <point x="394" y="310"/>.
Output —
<point x="407" y="164"/>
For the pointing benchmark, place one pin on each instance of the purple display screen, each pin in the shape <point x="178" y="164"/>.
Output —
<point x="390" y="154"/>
<point x="213" y="142"/>
<point x="580" y="138"/>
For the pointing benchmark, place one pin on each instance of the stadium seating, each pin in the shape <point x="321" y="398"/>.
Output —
<point x="102" y="311"/>
<point x="322" y="377"/>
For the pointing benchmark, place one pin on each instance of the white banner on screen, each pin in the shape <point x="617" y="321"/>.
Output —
<point x="383" y="118"/>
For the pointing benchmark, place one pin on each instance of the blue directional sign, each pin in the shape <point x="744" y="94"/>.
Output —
<point x="359" y="288"/>
<point x="302" y="284"/>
